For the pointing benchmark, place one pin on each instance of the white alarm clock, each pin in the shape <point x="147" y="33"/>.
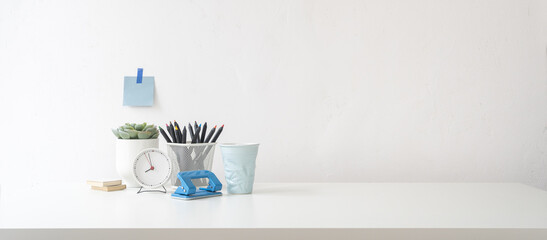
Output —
<point x="152" y="169"/>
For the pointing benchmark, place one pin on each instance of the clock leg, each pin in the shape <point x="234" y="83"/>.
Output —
<point x="153" y="190"/>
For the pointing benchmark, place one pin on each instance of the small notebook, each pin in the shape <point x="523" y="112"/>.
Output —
<point x="109" y="188"/>
<point x="104" y="183"/>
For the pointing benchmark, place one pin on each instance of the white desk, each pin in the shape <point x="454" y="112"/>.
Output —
<point x="282" y="211"/>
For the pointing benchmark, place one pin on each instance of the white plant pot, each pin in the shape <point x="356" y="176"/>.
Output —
<point x="126" y="151"/>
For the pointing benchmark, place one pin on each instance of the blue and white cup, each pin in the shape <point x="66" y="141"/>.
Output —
<point x="239" y="166"/>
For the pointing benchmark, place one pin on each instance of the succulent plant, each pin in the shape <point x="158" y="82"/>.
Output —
<point x="136" y="131"/>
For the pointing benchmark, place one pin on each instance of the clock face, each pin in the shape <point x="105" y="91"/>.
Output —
<point x="152" y="168"/>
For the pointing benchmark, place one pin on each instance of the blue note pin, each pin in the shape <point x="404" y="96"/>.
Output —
<point x="139" y="75"/>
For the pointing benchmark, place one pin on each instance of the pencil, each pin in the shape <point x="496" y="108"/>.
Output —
<point x="164" y="135"/>
<point x="171" y="131"/>
<point x="210" y="135"/>
<point x="184" y="135"/>
<point x="177" y="137"/>
<point x="218" y="133"/>
<point x="203" y="131"/>
<point x="191" y="131"/>
<point x="178" y="133"/>
<point x="196" y="135"/>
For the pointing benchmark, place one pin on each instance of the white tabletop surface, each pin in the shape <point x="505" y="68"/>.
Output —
<point x="283" y="205"/>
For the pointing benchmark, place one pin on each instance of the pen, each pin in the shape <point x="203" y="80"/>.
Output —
<point x="171" y="131"/>
<point x="178" y="133"/>
<point x="203" y="131"/>
<point x="191" y="130"/>
<point x="210" y="135"/>
<point x="196" y="135"/>
<point x="218" y="133"/>
<point x="177" y="137"/>
<point x="184" y="135"/>
<point x="164" y="135"/>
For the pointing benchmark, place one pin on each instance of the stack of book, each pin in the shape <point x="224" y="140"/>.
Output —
<point x="106" y="186"/>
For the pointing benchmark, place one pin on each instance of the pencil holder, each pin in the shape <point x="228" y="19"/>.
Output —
<point x="190" y="157"/>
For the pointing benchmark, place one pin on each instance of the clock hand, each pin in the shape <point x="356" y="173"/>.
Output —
<point x="149" y="161"/>
<point x="149" y="170"/>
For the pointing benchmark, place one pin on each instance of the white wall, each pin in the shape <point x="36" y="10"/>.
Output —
<point x="333" y="90"/>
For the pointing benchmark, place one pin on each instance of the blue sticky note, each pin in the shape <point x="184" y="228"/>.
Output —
<point x="138" y="94"/>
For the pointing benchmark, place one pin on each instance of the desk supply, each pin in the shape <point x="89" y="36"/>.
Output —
<point x="190" y="157"/>
<point x="106" y="186"/>
<point x="178" y="132"/>
<point x="187" y="189"/>
<point x="239" y="166"/>
<point x="184" y="135"/>
<point x="203" y="131"/>
<point x="218" y="133"/>
<point x="151" y="170"/>
<point x="191" y="131"/>
<point x="104" y="183"/>
<point x="196" y="134"/>
<point x="164" y="135"/>
<point x="210" y="135"/>
<point x="196" y="153"/>
<point x="109" y="188"/>
<point x="139" y="90"/>
<point x="171" y="131"/>
<point x="177" y="135"/>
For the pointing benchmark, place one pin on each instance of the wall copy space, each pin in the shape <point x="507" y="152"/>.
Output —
<point x="364" y="91"/>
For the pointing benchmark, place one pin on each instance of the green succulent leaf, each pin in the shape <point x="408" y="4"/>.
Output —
<point x="152" y="129"/>
<point x="139" y="127"/>
<point x="115" y="131"/>
<point x="136" y="131"/>
<point x="128" y="128"/>
<point x="124" y="135"/>
<point x="145" y="135"/>
<point x="132" y="133"/>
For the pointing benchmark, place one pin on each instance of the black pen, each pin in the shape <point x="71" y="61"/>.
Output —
<point x="196" y="134"/>
<point x="178" y="133"/>
<point x="210" y="135"/>
<point x="164" y="135"/>
<point x="191" y="130"/>
<point x="218" y="133"/>
<point x="203" y="131"/>
<point x="195" y="138"/>
<point x="184" y="135"/>
<point x="171" y="131"/>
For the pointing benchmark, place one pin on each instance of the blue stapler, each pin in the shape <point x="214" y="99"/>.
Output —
<point x="187" y="189"/>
